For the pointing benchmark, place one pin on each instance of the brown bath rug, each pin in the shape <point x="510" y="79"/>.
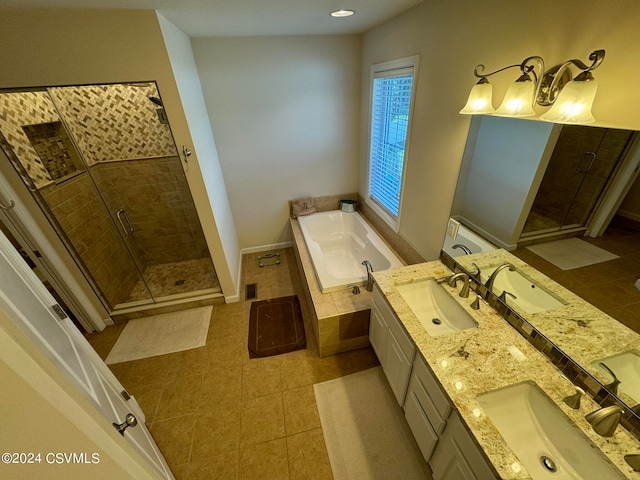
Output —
<point x="276" y="327"/>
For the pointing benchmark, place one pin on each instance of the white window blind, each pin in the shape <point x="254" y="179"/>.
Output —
<point x="391" y="105"/>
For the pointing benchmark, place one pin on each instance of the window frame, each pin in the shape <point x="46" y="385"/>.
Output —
<point x="400" y="66"/>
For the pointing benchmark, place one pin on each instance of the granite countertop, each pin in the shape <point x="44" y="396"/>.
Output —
<point x="583" y="332"/>
<point x="471" y="362"/>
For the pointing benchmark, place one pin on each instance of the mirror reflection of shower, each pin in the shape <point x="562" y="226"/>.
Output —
<point x="101" y="162"/>
<point x="584" y="161"/>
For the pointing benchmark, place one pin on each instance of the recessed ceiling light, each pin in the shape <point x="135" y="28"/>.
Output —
<point x="342" y="13"/>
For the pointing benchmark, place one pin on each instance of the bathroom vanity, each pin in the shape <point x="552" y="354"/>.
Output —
<point x="447" y="383"/>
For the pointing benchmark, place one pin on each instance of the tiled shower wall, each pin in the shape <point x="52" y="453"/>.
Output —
<point x="26" y="108"/>
<point x="157" y="200"/>
<point x="114" y="122"/>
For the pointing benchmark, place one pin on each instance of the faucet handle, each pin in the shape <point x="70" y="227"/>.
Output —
<point x="503" y="296"/>
<point x="574" y="400"/>
<point x="475" y="305"/>
<point x="605" y="420"/>
<point x="633" y="461"/>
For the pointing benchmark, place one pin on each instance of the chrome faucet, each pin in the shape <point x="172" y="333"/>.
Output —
<point x="369" y="268"/>
<point x="605" y="420"/>
<point x="453" y="281"/>
<point x="462" y="247"/>
<point x="492" y="277"/>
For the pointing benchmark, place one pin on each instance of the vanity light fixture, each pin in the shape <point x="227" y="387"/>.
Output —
<point x="570" y="99"/>
<point x="342" y="13"/>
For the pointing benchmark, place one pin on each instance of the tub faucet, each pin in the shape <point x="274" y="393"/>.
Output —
<point x="492" y="278"/>
<point x="369" y="268"/>
<point x="462" y="247"/>
<point x="605" y="420"/>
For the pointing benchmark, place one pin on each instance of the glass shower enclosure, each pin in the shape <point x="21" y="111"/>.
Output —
<point x="102" y="164"/>
<point x="582" y="164"/>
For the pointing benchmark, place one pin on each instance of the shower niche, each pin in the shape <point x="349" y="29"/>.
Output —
<point x="104" y="168"/>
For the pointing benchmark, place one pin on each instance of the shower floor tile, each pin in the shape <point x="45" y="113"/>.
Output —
<point x="175" y="278"/>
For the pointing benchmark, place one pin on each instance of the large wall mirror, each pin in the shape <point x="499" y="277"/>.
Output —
<point x="523" y="183"/>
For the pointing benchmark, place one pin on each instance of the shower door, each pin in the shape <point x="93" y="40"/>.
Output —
<point x="101" y="162"/>
<point x="583" y="162"/>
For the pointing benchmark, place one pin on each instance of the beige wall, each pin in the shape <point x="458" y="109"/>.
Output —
<point x="284" y="112"/>
<point x="205" y="175"/>
<point x="454" y="36"/>
<point x="70" y="47"/>
<point x="630" y="206"/>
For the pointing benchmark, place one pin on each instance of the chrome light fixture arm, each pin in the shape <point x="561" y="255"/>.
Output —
<point x="558" y="76"/>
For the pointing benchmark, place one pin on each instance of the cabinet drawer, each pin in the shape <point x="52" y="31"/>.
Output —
<point x="433" y="400"/>
<point x="404" y="341"/>
<point x="458" y="457"/>
<point x="423" y="432"/>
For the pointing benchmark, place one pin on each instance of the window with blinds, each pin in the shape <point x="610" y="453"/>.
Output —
<point x="391" y="102"/>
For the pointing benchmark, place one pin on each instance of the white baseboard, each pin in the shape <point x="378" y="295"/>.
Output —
<point x="630" y="215"/>
<point x="486" y="235"/>
<point x="265" y="248"/>
<point x="244" y="251"/>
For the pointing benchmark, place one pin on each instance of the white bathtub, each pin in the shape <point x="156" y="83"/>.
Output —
<point x="338" y="243"/>
<point x="469" y="239"/>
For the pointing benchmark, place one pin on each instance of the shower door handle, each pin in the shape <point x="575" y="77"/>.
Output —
<point x="127" y="231"/>
<point x="586" y="157"/>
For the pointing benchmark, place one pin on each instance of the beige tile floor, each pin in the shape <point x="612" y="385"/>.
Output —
<point x="216" y="414"/>
<point x="608" y="285"/>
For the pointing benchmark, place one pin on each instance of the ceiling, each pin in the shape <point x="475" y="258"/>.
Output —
<point x="207" y="18"/>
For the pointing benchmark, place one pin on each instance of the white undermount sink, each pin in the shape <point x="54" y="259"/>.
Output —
<point x="545" y="440"/>
<point x="531" y="298"/>
<point x="437" y="311"/>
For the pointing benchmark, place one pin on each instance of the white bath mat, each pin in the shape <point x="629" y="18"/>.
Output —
<point x="571" y="253"/>
<point x="365" y="431"/>
<point x="161" y="334"/>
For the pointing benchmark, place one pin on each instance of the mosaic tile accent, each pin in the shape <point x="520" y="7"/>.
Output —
<point x="54" y="148"/>
<point x="114" y="122"/>
<point x="26" y="108"/>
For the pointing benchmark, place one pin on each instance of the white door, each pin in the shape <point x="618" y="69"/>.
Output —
<point x="31" y="306"/>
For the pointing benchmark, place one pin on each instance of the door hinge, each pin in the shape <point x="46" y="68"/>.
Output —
<point x="59" y="311"/>
<point x="125" y="395"/>
<point x="37" y="254"/>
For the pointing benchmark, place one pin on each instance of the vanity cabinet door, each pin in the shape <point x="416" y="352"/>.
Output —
<point x="378" y="334"/>
<point x="457" y="456"/>
<point x="397" y="368"/>
<point x="391" y="343"/>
